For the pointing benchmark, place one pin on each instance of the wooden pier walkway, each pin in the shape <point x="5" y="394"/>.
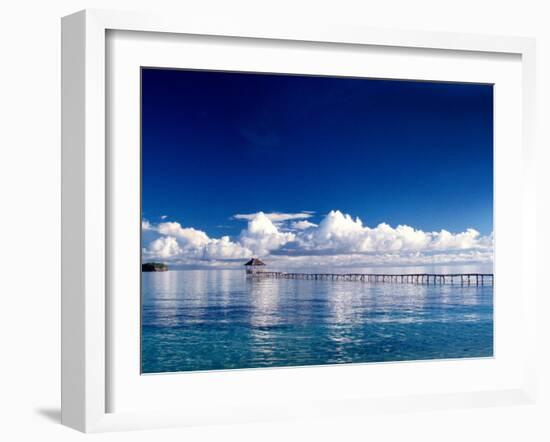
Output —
<point x="417" y="278"/>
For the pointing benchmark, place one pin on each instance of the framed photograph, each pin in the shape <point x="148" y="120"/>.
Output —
<point x="265" y="260"/>
<point x="262" y="222"/>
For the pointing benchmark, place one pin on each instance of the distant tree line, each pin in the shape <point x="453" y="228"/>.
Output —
<point x="153" y="267"/>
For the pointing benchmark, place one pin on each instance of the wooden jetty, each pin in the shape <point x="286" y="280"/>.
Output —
<point x="416" y="278"/>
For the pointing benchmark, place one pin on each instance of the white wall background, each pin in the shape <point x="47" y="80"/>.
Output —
<point x="30" y="215"/>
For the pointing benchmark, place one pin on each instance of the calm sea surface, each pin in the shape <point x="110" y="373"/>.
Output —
<point x="219" y="319"/>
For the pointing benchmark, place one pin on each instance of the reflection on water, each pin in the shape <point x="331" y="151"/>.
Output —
<point x="219" y="319"/>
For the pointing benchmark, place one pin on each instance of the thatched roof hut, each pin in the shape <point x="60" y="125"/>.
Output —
<point x="255" y="262"/>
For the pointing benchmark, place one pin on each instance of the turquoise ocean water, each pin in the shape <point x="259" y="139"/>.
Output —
<point x="219" y="319"/>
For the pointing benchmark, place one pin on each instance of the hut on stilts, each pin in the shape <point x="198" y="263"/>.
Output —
<point x="254" y="266"/>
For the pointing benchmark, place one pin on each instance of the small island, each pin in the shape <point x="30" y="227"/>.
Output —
<point x="154" y="267"/>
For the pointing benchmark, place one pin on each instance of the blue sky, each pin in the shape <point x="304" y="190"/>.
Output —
<point x="218" y="144"/>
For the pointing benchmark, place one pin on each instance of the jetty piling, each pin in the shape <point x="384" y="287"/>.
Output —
<point x="417" y="278"/>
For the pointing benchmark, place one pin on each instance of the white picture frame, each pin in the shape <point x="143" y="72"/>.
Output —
<point x="86" y="353"/>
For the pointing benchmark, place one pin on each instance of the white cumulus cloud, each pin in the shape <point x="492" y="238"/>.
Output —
<point x="164" y="247"/>
<point x="338" y="238"/>
<point x="302" y="225"/>
<point x="224" y="248"/>
<point x="276" y="217"/>
<point x="186" y="242"/>
<point x="188" y="236"/>
<point x="340" y="233"/>
<point x="262" y="235"/>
